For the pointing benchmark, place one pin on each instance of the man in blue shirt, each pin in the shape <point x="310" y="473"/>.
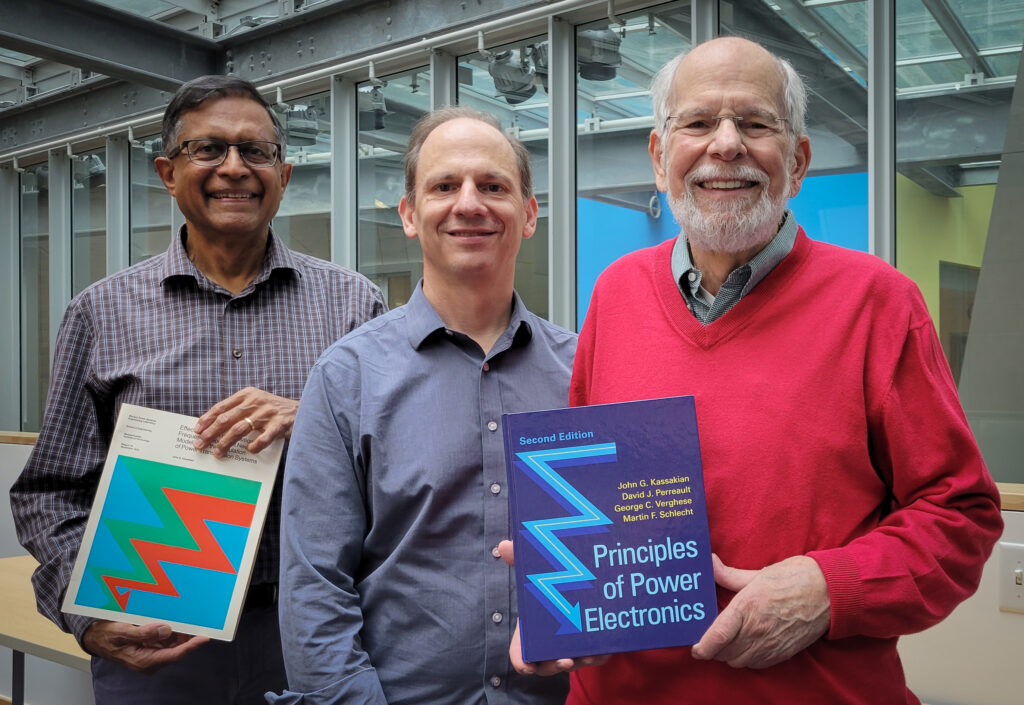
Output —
<point x="392" y="588"/>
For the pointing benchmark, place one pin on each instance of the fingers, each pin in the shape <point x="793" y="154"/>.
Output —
<point x="720" y="634"/>
<point x="142" y="648"/>
<point x="546" y="668"/>
<point x="248" y="413"/>
<point x="505" y="549"/>
<point x="733" y="579"/>
<point x="780" y="612"/>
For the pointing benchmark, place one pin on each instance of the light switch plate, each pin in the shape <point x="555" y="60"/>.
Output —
<point x="1011" y="577"/>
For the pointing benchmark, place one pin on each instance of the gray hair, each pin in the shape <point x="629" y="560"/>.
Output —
<point x="434" y="119"/>
<point x="194" y="93"/>
<point x="794" y="95"/>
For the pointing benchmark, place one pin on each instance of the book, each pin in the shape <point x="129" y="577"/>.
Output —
<point x="173" y="531"/>
<point x="610" y="528"/>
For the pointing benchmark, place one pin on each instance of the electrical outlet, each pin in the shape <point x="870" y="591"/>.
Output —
<point x="1011" y="577"/>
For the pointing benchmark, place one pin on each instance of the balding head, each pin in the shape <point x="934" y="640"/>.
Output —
<point x="792" y="98"/>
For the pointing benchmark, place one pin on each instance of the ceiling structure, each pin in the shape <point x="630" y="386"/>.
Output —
<point x="957" y="62"/>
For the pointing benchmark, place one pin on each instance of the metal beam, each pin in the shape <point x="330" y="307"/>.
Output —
<point x="10" y="300"/>
<point x="837" y="43"/>
<point x="938" y="180"/>
<point x="90" y="36"/>
<point x="881" y="130"/>
<point x="344" y="173"/>
<point x="704" y="24"/>
<point x="60" y="238"/>
<point x="959" y="36"/>
<point x="16" y="72"/>
<point x="443" y="79"/>
<point x="562" y="173"/>
<point x="119" y="191"/>
<point x="206" y="8"/>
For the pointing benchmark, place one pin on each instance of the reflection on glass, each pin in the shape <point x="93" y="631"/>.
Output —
<point x="952" y="237"/>
<point x="511" y="83"/>
<point x="388" y="109"/>
<point x="303" y="221"/>
<point x="150" y="206"/>
<point x="88" y="219"/>
<point x="619" y="208"/>
<point x="35" y="296"/>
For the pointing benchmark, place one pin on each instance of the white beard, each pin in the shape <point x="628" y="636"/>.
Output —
<point x="733" y="227"/>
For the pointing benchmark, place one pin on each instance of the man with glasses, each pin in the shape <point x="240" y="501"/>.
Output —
<point x="225" y="326"/>
<point x="847" y="500"/>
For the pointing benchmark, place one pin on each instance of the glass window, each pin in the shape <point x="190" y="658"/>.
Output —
<point x="35" y="295"/>
<point x="619" y="208"/>
<point x="303" y="221"/>
<point x="828" y="48"/>
<point x="958" y="216"/>
<point x="150" y="205"/>
<point x="88" y="219"/>
<point x="511" y="83"/>
<point x="388" y="109"/>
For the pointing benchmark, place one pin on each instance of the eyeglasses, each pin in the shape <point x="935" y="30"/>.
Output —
<point x="754" y="124"/>
<point x="208" y="151"/>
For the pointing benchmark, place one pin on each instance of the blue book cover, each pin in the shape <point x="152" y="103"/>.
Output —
<point x="610" y="528"/>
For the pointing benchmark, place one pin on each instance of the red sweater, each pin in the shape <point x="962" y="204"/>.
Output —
<point x="830" y="427"/>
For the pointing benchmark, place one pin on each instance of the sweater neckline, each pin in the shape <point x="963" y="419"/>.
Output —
<point x="740" y="315"/>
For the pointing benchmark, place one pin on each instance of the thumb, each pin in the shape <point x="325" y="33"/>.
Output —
<point x="505" y="549"/>
<point x="733" y="579"/>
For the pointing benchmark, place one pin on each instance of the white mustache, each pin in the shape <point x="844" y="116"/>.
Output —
<point x="718" y="173"/>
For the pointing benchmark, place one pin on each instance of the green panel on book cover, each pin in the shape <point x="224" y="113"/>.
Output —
<point x="610" y="528"/>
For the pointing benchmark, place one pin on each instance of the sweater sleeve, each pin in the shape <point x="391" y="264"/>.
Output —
<point x="927" y="553"/>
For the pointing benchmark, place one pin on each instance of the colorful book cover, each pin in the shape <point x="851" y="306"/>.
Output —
<point x="173" y="531"/>
<point x="610" y="528"/>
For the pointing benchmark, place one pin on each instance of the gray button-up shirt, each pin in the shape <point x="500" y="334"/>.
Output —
<point x="394" y="501"/>
<point x="741" y="281"/>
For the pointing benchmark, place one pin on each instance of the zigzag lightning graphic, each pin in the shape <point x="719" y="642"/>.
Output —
<point x="184" y="500"/>
<point x="544" y="530"/>
<point x="194" y="510"/>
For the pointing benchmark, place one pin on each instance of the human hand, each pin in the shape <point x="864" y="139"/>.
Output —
<point x="142" y="648"/>
<point x="228" y="421"/>
<point x="777" y="612"/>
<point x="540" y="668"/>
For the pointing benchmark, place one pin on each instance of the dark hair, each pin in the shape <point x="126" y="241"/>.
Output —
<point x="434" y="119"/>
<point x="199" y="90"/>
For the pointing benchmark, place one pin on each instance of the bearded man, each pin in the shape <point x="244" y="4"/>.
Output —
<point x="847" y="500"/>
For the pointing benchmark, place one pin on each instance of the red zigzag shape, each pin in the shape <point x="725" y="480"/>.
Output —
<point x="193" y="509"/>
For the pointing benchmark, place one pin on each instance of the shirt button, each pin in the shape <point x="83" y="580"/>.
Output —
<point x="236" y="353"/>
<point x="495" y="552"/>
<point x="495" y="681"/>
<point x="495" y="488"/>
<point x="487" y="366"/>
<point x="492" y="425"/>
<point x="497" y="617"/>
<point x="692" y="276"/>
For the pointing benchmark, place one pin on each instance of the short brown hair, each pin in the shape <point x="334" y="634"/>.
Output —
<point x="434" y="119"/>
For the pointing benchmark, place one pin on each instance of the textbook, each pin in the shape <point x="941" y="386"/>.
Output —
<point x="610" y="528"/>
<point x="173" y="531"/>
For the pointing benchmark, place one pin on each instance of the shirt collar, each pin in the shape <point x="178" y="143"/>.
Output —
<point x="177" y="264"/>
<point x="760" y="265"/>
<point x="425" y="323"/>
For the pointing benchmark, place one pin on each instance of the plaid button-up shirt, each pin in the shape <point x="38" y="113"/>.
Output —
<point x="161" y="335"/>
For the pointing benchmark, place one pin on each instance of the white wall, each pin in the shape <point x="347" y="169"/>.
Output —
<point x="46" y="683"/>
<point x="975" y="656"/>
